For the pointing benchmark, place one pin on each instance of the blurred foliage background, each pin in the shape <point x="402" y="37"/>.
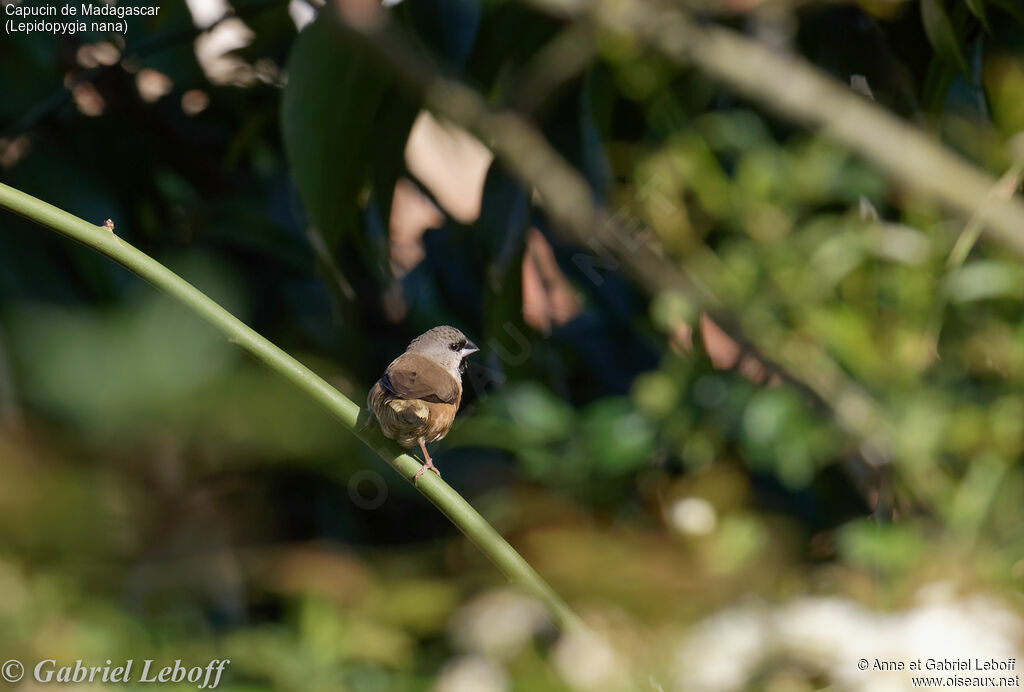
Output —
<point x="162" y="496"/>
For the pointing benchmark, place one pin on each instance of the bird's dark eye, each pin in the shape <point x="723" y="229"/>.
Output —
<point x="456" y="346"/>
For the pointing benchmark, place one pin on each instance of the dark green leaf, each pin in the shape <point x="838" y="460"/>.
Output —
<point x="504" y="217"/>
<point x="336" y="111"/>
<point x="977" y="8"/>
<point x="939" y="29"/>
<point x="1013" y="7"/>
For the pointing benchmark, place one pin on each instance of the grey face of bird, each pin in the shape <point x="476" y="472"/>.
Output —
<point x="446" y="346"/>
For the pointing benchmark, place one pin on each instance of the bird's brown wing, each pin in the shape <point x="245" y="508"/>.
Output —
<point x="412" y="376"/>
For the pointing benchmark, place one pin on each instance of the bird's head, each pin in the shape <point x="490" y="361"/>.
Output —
<point x="444" y="345"/>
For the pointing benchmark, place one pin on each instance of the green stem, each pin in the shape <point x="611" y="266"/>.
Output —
<point x="451" y="504"/>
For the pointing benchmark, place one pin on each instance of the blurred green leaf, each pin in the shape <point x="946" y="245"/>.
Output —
<point x="420" y="606"/>
<point x="738" y="540"/>
<point x="768" y="415"/>
<point x="669" y="309"/>
<point x="106" y="370"/>
<point x="977" y="8"/>
<point x="939" y="29"/>
<point x="893" y="548"/>
<point x="340" y="118"/>
<point x="1011" y="7"/>
<point x="1003" y="77"/>
<point x="656" y="394"/>
<point x="533" y="408"/>
<point x="984" y="280"/>
<point x="502" y="228"/>
<point x="976" y="494"/>
<point x="619" y="438"/>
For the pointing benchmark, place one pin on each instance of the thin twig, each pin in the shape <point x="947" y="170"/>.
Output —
<point x="560" y="61"/>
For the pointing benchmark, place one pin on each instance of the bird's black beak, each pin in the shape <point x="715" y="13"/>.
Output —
<point x="469" y="349"/>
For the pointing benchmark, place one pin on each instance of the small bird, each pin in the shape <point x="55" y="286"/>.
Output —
<point x="416" y="399"/>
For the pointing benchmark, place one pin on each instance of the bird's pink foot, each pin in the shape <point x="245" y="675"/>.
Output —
<point x="428" y="463"/>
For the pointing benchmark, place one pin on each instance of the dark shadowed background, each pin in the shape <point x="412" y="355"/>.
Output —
<point x="711" y="514"/>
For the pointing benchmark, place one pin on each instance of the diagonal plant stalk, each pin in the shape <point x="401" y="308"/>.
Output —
<point x="446" y="499"/>
<point x="965" y="242"/>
